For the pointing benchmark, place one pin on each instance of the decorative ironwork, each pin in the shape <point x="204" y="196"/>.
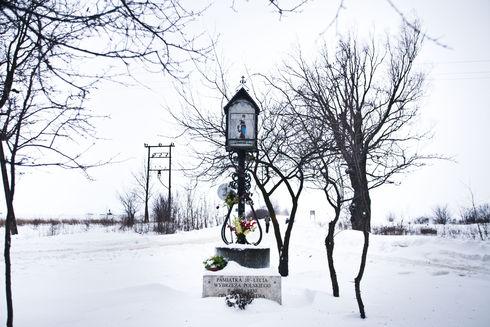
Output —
<point x="226" y="225"/>
<point x="234" y="182"/>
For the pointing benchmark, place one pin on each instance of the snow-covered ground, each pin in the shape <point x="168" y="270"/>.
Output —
<point x="104" y="278"/>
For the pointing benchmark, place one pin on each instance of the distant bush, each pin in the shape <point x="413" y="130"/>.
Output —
<point x="390" y="230"/>
<point x="476" y="215"/>
<point x="402" y="229"/>
<point x="130" y="202"/>
<point x="164" y="215"/>
<point x="54" y="222"/>
<point x="422" y="220"/>
<point x="441" y="215"/>
<point x="52" y="227"/>
<point x="194" y="212"/>
<point x="428" y="231"/>
<point x="102" y="221"/>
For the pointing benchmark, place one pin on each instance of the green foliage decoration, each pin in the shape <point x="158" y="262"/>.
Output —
<point x="215" y="263"/>
<point x="231" y="199"/>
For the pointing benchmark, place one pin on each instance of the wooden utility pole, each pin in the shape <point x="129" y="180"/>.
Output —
<point x="158" y="155"/>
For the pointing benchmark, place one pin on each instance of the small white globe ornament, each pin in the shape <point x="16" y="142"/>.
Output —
<point x="223" y="191"/>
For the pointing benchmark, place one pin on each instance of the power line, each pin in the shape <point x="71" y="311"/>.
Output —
<point x="463" y="73"/>
<point x="470" y="61"/>
<point x="460" y="78"/>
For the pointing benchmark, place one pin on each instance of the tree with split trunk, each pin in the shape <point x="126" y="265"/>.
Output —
<point x="325" y="173"/>
<point x="49" y="51"/>
<point x="367" y="96"/>
<point x="333" y="188"/>
<point x="280" y="164"/>
<point x="328" y="176"/>
<point x="131" y="204"/>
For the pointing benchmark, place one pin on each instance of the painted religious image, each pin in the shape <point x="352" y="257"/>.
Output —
<point x="241" y="126"/>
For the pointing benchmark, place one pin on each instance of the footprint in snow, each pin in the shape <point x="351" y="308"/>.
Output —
<point x="440" y="273"/>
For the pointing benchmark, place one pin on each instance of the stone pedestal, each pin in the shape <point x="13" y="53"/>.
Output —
<point x="246" y="256"/>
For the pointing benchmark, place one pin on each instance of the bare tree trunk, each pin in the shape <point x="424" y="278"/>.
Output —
<point x="8" y="276"/>
<point x="329" y="245"/>
<point x="475" y="213"/>
<point x="8" y="192"/>
<point x="479" y="230"/>
<point x="357" y="280"/>
<point x="272" y="212"/>
<point x="284" y="262"/>
<point x="8" y="229"/>
<point x="360" y="207"/>
<point x="284" y="254"/>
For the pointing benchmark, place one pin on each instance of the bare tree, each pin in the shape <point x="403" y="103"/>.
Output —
<point x="325" y="172"/>
<point x="43" y="84"/>
<point x="333" y="190"/>
<point x="45" y="49"/>
<point x="280" y="161"/>
<point x="328" y="176"/>
<point x="131" y="204"/>
<point x="441" y="215"/>
<point x="367" y="99"/>
<point x="144" y="186"/>
<point x="281" y="7"/>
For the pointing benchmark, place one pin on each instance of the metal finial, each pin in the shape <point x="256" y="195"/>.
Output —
<point x="243" y="84"/>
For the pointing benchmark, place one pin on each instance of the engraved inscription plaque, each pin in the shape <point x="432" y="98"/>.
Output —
<point x="267" y="287"/>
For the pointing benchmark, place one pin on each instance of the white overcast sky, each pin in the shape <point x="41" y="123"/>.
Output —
<point x="252" y="37"/>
